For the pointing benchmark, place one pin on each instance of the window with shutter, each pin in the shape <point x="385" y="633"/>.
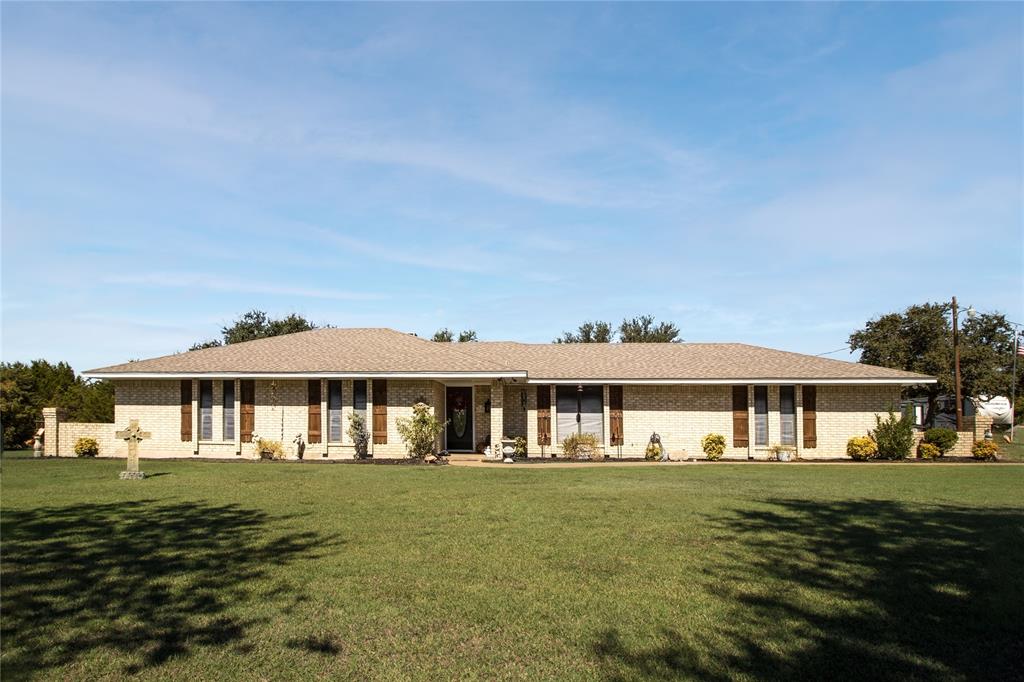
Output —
<point x="205" y="409"/>
<point x="787" y="415"/>
<point x="760" y="415"/>
<point x="543" y="415"/>
<point x="247" y="409"/>
<point x="615" y="414"/>
<point x="380" y="411"/>
<point x="229" y="409"/>
<point x="580" y="409"/>
<point x="186" y="410"/>
<point x="810" y="396"/>
<point x="740" y="418"/>
<point x="313" y="403"/>
<point x="334" y="425"/>
<point x="359" y="397"/>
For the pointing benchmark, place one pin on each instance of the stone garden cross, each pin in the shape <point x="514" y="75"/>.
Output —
<point x="133" y="435"/>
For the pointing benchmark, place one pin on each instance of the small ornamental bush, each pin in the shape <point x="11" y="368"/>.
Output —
<point x="269" y="449"/>
<point x="519" y="449"/>
<point x="653" y="452"/>
<point x="928" y="450"/>
<point x="861" y="448"/>
<point x="894" y="436"/>
<point x="985" y="449"/>
<point x="87" y="447"/>
<point x="358" y="433"/>
<point x="580" y="446"/>
<point x="713" y="445"/>
<point x="420" y="432"/>
<point x="944" y="439"/>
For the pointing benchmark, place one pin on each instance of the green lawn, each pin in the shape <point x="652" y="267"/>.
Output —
<point x="277" y="571"/>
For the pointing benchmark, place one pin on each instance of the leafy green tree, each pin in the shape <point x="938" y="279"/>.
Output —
<point x="256" y="324"/>
<point x="446" y="336"/>
<point x="25" y="389"/>
<point x="642" y="329"/>
<point x="588" y="332"/>
<point x="920" y="339"/>
<point x="443" y="336"/>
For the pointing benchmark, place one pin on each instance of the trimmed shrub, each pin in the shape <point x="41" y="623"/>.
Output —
<point x="861" y="448"/>
<point x="713" y="445"/>
<point x="653" y="452"/>
<point x="944" y="439"/>
<point x="358" y="433"/>
<point x="928" y="450"/>
<point x="580" y="446"/>
<point x="894" y="436"/>
<point x="420" y="432"/>
<point x="87" y="447"/>
<point x="985" y="449"/>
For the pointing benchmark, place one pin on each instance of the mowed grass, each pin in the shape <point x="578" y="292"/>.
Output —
<point x="287" y="571"/>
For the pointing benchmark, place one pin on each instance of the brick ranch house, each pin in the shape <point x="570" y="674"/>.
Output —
<point x="209" y="403"/>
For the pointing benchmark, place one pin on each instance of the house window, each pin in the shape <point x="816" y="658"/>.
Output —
<point x="359" y="397"/>
<point x="580" y="409"/>
<point x="760" y="415"/>
<point x="334" y="411"/>
<point x="787" y="414"/>
<point x="229" y="410"/>
<point x="205" y="410"/>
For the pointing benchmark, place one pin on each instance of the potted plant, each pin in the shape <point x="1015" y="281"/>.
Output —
<point x="782" y="453"/>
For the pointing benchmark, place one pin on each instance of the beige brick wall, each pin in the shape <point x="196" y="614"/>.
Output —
<point x="70" y="432"/>
<point x="682" y="415"/>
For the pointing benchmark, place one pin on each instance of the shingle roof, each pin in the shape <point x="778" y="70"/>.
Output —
<point x="668" y="361"/>
<point x="388" y="352"/>
<point x="321" y="350"/>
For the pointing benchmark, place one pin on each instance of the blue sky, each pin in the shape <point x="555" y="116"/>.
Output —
<point x="767" y="173"/>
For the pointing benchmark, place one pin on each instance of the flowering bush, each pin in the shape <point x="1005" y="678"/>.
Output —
<point x="928" y="450"/>
<point x="861" y="447"/>
<point x="985" y="449"/>
<point x="581" y="446"/>
<point x="653" y="452"/>
<point x="269" y="449"/>
<point x="420" y="432"/>
<point x="713" y="445"/>
<point x="519" y="449"/>
<point x="87" y="447"/>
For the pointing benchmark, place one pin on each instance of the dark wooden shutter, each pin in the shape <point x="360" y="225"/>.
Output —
<point x="740" y="420"/>
<point x="186" y="410"/>
<point x="615" y="414"/>
<point x="810" y="416"/>
<point x="380" y="411"/>
<point x="313" y="390"/>
<point x="544" y="415"/>
<point x="247" y="415"/>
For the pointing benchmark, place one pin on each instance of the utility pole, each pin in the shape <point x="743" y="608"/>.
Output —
<point x="956" y="371"/>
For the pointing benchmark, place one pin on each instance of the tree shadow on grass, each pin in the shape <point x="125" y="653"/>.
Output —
<point x="151" y="581"/>
<point x="850" y="590"/>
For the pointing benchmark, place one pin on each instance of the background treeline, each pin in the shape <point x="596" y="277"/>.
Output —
<point x="25" y="389"/>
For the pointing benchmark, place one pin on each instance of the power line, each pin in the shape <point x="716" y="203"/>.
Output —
<point x="846" y="347"/>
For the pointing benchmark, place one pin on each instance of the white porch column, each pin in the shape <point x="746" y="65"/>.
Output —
<point x="497" y="415"/>
<point x="196" y="426"/>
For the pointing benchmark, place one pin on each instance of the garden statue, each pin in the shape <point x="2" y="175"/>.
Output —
<point x="37" y="445"/>
<point x="656" y="440"/>
<point x="300" y="446"/>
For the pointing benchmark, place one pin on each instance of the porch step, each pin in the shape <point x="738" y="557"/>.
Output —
<point x="468" y="457"/>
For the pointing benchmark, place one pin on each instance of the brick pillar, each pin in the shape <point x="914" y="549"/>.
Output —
<point x="52" y="417"/>
<point x="497" y="415"/>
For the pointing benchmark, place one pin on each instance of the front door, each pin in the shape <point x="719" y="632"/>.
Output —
<point x="459" y="413"/>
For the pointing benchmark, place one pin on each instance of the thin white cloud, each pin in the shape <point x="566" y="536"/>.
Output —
<point x="213" y="282"/>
